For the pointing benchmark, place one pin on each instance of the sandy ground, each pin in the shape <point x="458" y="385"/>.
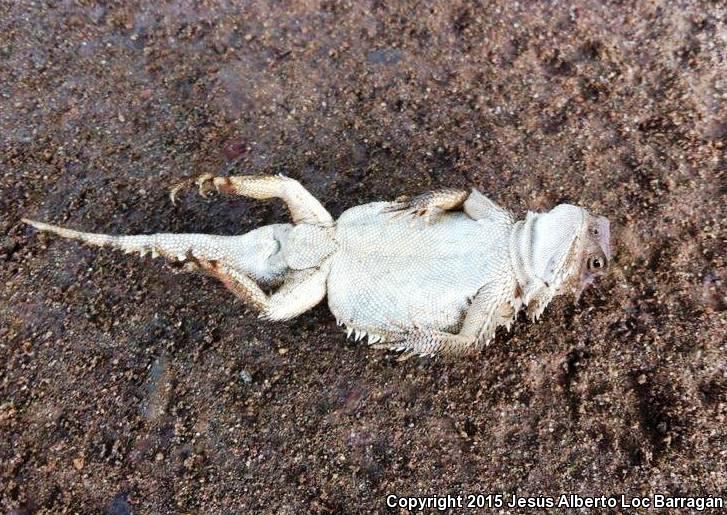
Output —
<point x="126" y="388"/>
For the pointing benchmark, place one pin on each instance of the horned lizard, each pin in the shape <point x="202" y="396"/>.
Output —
<point x="437" y="273"/>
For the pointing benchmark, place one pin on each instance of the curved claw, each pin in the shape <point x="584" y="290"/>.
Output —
<point x="174" y="190"/>
<point x="428" y="206"/>
<point x="416" y="208"/>
<point x="404" y="210"/>
<point x="204" y="183"/>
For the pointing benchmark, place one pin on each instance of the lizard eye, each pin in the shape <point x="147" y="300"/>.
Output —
<point x="596" y="263"/>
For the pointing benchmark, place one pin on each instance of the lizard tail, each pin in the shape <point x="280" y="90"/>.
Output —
<point x="256" y="254"/>
<point x="171" y="246"/>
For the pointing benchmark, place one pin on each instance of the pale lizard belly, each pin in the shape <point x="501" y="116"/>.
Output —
<point x="391" y="275"/>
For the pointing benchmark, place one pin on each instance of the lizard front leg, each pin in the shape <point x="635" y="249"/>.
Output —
<point x="488" y="310"/>
<point x="429" y="205"/>
<point x="304" y="207"/>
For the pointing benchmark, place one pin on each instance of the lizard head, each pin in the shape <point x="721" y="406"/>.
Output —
<point x="559" y="251"/>
<point x="594" y="255"/>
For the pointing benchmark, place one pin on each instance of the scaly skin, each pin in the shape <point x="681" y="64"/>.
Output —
<point x="437" y="273"/>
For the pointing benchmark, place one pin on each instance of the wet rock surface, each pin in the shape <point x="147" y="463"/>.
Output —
<point x="127" y="388"/>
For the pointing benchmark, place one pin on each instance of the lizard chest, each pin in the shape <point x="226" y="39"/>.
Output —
<point x="389" y="271"/>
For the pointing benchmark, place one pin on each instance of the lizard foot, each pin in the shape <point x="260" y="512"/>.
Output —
<point x="413" y="209"/>
<point x="205" y="185"/>
<point x="430" y="342"/>
<point x="427" y="206"/>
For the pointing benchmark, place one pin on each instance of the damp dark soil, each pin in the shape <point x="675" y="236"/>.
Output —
<point x="127" y="388"/>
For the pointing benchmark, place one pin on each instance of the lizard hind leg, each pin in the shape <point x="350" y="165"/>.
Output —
<point x="303" y="207"/>
<point x="301" y="291"/>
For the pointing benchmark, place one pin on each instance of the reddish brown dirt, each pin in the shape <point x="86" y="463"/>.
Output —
<point x="123" y="385"/>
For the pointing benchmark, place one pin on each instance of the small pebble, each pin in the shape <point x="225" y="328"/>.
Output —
<point x="234" y="148"/>
<point x="245" y="377"/>
<point x="7" y="245"/>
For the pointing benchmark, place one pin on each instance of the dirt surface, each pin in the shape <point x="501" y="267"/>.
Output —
<point x="127" y="388"/>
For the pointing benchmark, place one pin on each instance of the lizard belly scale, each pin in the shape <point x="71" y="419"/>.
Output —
<point x="391" y="275"/>
<point x="308" y="246"/>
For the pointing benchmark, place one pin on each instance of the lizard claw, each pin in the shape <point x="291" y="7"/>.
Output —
<point x="427" y="206"/>
<point x="427" y="342"/>
<point x="174" y="190"/>
<point x="416" y="208"/>
<point x="204" y="183"/>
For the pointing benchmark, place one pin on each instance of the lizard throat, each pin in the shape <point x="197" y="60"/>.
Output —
<point x="521" y="249"/>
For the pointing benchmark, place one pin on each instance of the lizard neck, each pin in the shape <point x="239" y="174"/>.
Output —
<point x="541" y="252"/>
<point x="521" y="242"/>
